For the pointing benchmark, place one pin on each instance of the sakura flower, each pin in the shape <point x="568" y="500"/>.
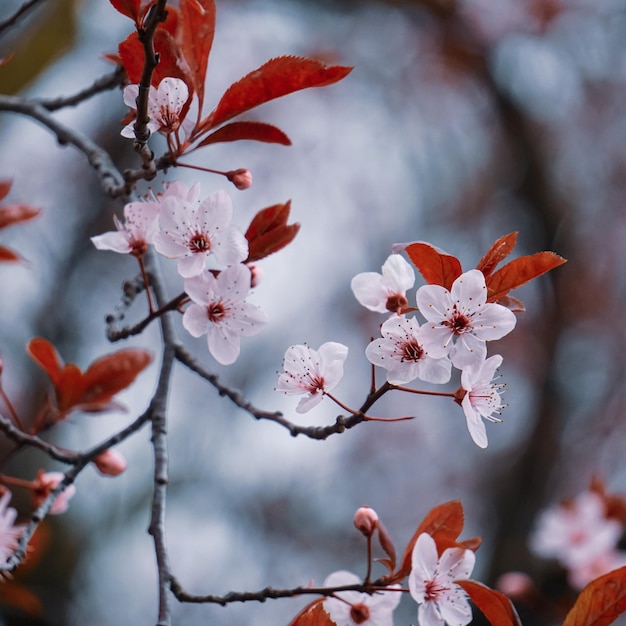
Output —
<point x="165" y="106"/>
<point x="461" y="320"/>
<point x="311" y="372"/>
<point x="480" y="397"/>
<point x="576" y="532"/>
<point x="350" y="608"/>
<point x="432" y="586"/>
<point x="401" y="352"/>
<point x="43" y="486"/>
<point x="385" y="292"/>
<point x="220" y="311"/>
<point x="191" y="233"/>
<point x="10" y="533"/>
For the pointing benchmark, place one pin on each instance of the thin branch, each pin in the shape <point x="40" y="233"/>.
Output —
<point x="104" y="83"/>
<point x="110" y="178"/>
<point x="13" y="19"/>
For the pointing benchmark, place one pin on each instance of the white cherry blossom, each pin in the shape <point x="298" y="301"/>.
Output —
<point x="165" y="105"/>
<point x="352" y="608"/>
<point x="220" y="311"/>
<point x="482" y="397"/>
<point x="10" y="533"/>
<point x="192" y="232"/>
<point x="401" y="352"/>
<point x="461" y="320"/>
<point x="311" y="372"/>
<point x="385" y="292"/>
<point x="432" y="586"/>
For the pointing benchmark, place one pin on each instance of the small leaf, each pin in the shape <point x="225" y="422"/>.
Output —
<point x="278" y="77"/>
<point x="436" y="266"/>
<point x="129" y="8"/>
<point x="514" y="304"/>
<point x="5" y="187"/>
<point x="601" y="602"/>
<point x="500" y="249"/>
<point x="45" y="355"/>
<point x="387" y="545"/>
<point x="269" y="232"/>
<point x="16" y="213"/>
<point x="520" y="271"/>
<point x="495" y="606"/>
<point x="132" y="57"/>
<point x="8" y="256"/>
<point x="198" y="29"/>
<point x="19" y="597"/>
<point x="255" y="131"/>
<point x="313" y="614"/>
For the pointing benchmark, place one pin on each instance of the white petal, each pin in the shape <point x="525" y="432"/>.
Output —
<point x="468" y="351"/>
<point x="309" y="401"/>
<point x="437" y="371"/>
<point x="428" y="615"/>
<point x="196" y="320"/>
<point x="493" y="322"/>
<point x="455" y="608"/>
<point x="398" y="274"/>
<point x="369" y="290"/>
<point x="224" y="345"/>
<point x="230" y="246"/>
<point x="424" y="558"/>
<point x="192" y="265"/>
<point x="167" y="246"/>
<point x="475" y="425"/>
<point x="201" y="288"/>
<point x="115" y="241"/>
<point x="469" y="289"/>
<point x="129" y="95"/>
<point x="434" y="302"/>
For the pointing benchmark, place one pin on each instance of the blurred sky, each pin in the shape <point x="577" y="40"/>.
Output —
<point x="452" y="128"/>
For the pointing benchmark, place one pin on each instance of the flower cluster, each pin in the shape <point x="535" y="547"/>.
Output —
<point x="581" y="536"/>
<point x="194" y="232"/>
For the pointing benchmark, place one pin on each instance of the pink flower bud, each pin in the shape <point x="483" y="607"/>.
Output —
<point x="43" y="486"/>
<point x="256" y="274"/>
<point x="241" y="178"/>
<point x="516" y="585"/>
<point x="366" y="520"/>
<point x="110" y="463"/>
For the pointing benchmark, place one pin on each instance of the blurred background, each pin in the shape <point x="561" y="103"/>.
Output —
<point x="463" y="120"/>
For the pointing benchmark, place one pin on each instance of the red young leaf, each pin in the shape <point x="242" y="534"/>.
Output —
<point x="255" y="131"/>
<point x="45" y="355"/>
<point x="516" y="305"/>
<point x="129" y="8"/>
<point x="269" y="232"/>
<point x="8" y="255"/>
<point x="496" y="607"/>
<point x="198" y="29"/>
<point x="601" y="602"/>
<point x="313" y="614"/>
<point x="132" y="57"/>
<point x="500" y="249"/>
<point x="444" y="524"/>
<point x="5" y="187"/>
<point x="16" y="213"/>
<point x="278" y="77"/>
<point x="436" y="266"/>
<point x="519" y="271"/>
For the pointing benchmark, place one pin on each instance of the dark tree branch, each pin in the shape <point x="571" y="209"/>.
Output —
<point x="12" y="20"/>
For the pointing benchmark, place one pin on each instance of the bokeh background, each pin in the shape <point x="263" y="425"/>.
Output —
<point x="462" y="121"/>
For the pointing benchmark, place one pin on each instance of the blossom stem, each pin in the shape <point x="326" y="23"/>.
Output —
<point x="11" y="408"/>
<point x="202" y="169"/>
<point x="369" y="559"/>
<point x="146" y="283"/>
<point x="341" y="404"/>
<point x="15" y="482"/>
<point x="446" y="394"/>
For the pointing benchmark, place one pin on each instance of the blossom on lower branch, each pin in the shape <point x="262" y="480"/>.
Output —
<point x="349" y="608"/>
<point x="10" y="533"/>
<point x="311" y="372"/>
<point x="432" y="586"/>
<point x="220" y="312"/>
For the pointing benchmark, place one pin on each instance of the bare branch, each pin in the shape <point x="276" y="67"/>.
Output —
<point x="13" y="19"/>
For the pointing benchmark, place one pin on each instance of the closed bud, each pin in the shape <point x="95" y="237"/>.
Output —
<point x="256" y="274"/>
<point x="241" y="178"/>
<point x="366" y="520"/>
<point x="110" y="463"/>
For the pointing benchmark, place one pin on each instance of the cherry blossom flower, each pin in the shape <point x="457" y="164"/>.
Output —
<point x="401" y="352"/>
<point x="165" y="105"/>
<point x="10" y="533"/>
<point x="577" y="532"/>
<point x="461" y="320"/>
<point x="43" y="486"/>
<point x="220" y="311"/>
<point x="481" y="397"/>
<point x="385" y="292"/>
<point x="581" y="575"/>
<point x="432" y="586"/>
<point x="350" y="608"/>
<point x="191" y="233"/>
<point x="311" y="372"/>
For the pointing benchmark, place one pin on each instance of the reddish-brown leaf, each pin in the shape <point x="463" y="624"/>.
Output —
<point x="516" y="305"/>
<point x="520" y="271"/>
<point x="601" y="602"/>
<point x="269" y="232"/>
<point x="8" y="255"/>
<point x="110" y="374"/>
<point x="500" y="249"/>
<point x="129" y="8"/>
<point x="436" y="266"/>
<point x="16" y="213"/>
<point x="69" y="388"/>
<point x="495" y="606"/>
<point x="198" y="29"/>
<point x="255" y="131"/>
<point x="132" y="57"/>
<point x="19" y="597"/>
<point x="278" y="77"/>
<point x="313" y="614"/>
<point x="45" y="355"/>
<point x="387" y="545"/>
<point x="444" y="524"/>
<point x="5" y="187"/>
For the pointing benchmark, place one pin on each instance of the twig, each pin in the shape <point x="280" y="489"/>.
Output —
<point x="13" y="19"/>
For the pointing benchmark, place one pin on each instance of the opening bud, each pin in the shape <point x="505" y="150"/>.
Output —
<point x="241" y="178"/>
<point x="110" y="463"/>
<point x="366" y="520"/>
<point x="256" y="274"/>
